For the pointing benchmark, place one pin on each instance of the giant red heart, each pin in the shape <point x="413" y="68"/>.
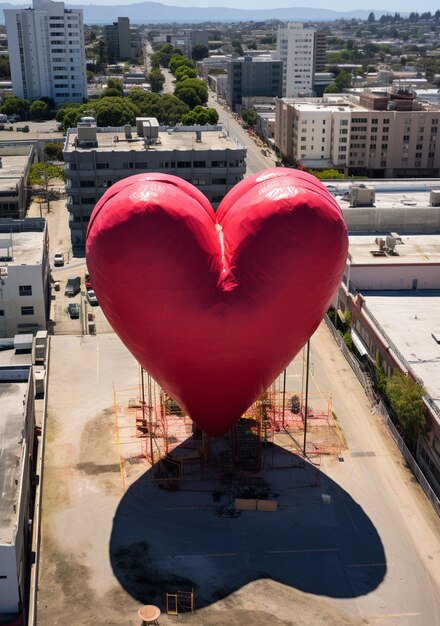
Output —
<point x="215" y="304"/>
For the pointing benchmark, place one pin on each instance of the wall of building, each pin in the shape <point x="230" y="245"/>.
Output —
<point x="394" y="277"/>
<point x="415" y="220"/>
<point x="44" y="60"/>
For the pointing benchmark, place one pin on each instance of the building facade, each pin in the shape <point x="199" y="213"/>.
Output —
<point x="24" y="276"/>
<point x="15" y="164"/>
<point x="95" y="158"/>
<point x="302" y="51"/>
<point x="253" y="76"/>
<point x="47" y="52"/>
<point x="394" y="305"/>
<point x="122" y="41"/>
<point x="369" y="135"/>
<point x="17" y="469"/>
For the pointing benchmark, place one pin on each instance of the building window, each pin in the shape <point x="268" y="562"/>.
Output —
<point x="25" y="290"/>
<point x="2" y="312"/>
<point x="27" y="310"/>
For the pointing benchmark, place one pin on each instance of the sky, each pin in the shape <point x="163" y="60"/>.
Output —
<point x="392" y="6"/>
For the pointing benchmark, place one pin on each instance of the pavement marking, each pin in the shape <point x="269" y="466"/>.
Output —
<point x="301" y="551"/>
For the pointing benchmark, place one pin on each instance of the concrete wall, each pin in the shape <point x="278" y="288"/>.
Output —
<point x="385" y="277"/>
<point x="394" y="219"/>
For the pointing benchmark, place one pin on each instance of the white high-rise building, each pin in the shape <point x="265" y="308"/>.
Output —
<point x="296" y="48"/>
<point x="47" y="52"/>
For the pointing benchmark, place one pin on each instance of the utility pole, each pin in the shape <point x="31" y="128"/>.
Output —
<point x="306" y="403"/>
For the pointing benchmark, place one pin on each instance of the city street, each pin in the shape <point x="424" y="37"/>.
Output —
<point x="255" y="160"/>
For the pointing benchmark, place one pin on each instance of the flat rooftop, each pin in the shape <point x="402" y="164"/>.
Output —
<point x="11" y="426"/>
<point x="409" y="319"/>
<point x="389" y="194"/>
<point x="12" y="169"/>
<point x="412" y="249"/>
<point x="115" y="140"/>
<point x="25" y="248"/>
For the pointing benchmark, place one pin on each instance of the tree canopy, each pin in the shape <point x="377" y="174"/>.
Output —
<point x="156" y="80"/>
<point x="192" y="91"/>
<point x="200" y="115"/>
<point x="406" y="398"/>
<point x="39" y="110"/>
<point x="114" y="111"/>
<point x="53" y="151"/>
<point x="12" y="104"/>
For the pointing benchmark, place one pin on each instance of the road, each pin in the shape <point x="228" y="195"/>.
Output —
<point x="374" y="474"/>
<point x="255" y="160"/>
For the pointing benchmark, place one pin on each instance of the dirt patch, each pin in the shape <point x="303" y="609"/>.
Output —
<point x="98" y="456"/>
<point x="92" y="469"/>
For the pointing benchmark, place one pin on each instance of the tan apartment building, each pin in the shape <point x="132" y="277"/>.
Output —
<point x="374" y="135"/>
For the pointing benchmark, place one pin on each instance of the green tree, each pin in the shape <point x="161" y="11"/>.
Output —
<point x="406" y="398"/>
<point x="184" y="71"/>
<point x="249" y="116"/>
<point x="199" y="52"/>
<point x="65" y="107"/>
<point x="53" y="151"/>
<point x="172" y="110"/>
<point x="192" y="91"/>
<point x="177" y="61"/>
<point x="332" y="88"/>
<point x="343" y="80"/>
<point x="12" y="104"/>
<point x="41" y="172"/>
<point x="155" y="59"/>
<point x="200" y="115"/>
<point x="327" y="174"/>
<point x="115" y="88"/>
<point x="113" y="111"/>
<point x="39" y="110"/>
<point x="156" y="80"/>
<point x="70" y="115"/>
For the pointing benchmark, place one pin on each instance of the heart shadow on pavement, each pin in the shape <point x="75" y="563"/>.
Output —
<point x="319" y="541"/>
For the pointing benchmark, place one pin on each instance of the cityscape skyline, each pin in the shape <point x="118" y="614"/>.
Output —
<point x="405" y="6"/>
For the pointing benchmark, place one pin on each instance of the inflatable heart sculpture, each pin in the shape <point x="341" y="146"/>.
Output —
<point x="216" y="304"/>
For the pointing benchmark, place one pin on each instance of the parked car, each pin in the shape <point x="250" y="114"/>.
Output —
<point x="58" y="259"/>
<point x="73" y="310"/>
<point x="73" y="286"/>
<point x="88" y="282"/>
<point x="91" y="297"/>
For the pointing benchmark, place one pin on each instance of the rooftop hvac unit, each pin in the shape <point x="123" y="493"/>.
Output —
<point x="127" y="131"/>
<point x="390" y="243"/>
<point x="434" y="198"/>
<point x="380" y="243"/>
<point x="361" y="195"/>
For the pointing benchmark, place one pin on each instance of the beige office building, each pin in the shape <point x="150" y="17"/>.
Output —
<point x="95" y="158"/>
<point x="374" y="135"/>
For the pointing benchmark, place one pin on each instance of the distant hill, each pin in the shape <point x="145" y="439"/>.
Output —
<point x="157" y="13"/>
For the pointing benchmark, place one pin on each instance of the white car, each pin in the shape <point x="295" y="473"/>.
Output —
<point x="91" y="297"/>
<point x="58" y="259"/>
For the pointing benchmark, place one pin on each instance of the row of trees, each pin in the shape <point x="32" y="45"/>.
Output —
<point x="401" y="393"/>
<point x="38" y="110"/>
